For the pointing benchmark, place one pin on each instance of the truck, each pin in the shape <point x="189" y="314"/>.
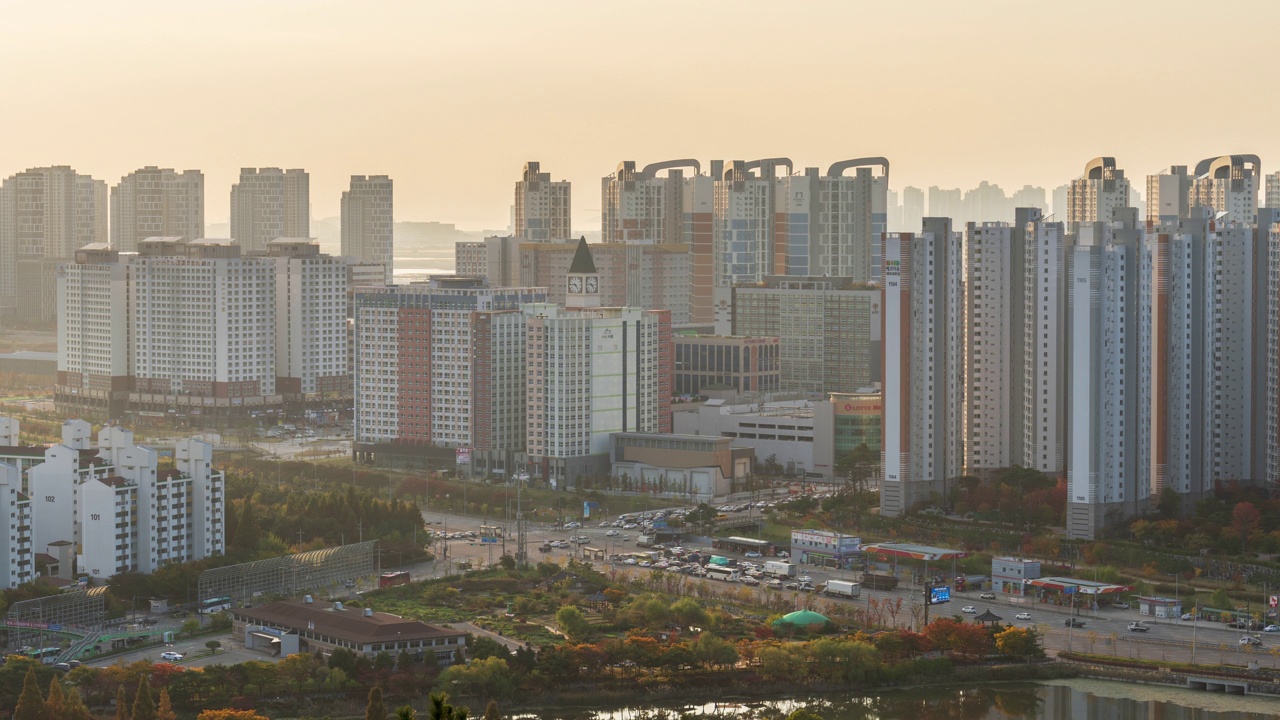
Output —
<point x="644" y="541"/>
<point x="779" y="569"/>
<point x="879" y="582"/>
<point x="843" y="588"/>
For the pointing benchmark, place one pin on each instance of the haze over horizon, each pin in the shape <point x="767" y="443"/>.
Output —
<point x="451" y="99"/>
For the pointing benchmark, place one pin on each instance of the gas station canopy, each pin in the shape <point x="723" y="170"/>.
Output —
<point x="1084" y="587"/>
<point x="910" y="551"/>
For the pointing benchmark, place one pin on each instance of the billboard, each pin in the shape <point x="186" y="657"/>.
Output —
<point x="462" y="456"/>
<point x="939" y="595"/>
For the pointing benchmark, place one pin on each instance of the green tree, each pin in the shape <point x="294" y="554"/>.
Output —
<point x="1221" y="600"/>
<point x="803" y="714"/>
<point x="213" y="646"/>
<point x="190" y="627"/>
<point x="712" y="651"/>
<point x="491" y="711"/>
<point x="406" y="712"/>
<point x="30" y="703"/>
<point x="689" y="613"/>
<point x="1019" y="642"/>
<point x="440" y="709"/>
<point x="573" y="623"/>
<point x="374" y="709"/>
<point x="73" y="708"/>
<point x="144" y="706"/>
<point x="247" y="532"/>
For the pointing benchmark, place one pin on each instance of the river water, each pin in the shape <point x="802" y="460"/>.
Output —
<point x="1054" y="700"/>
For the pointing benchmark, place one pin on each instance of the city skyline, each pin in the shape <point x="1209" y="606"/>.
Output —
<point x="436" y="106"/>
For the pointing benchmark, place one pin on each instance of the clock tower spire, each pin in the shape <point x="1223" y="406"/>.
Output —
<point x="582" y="284"/>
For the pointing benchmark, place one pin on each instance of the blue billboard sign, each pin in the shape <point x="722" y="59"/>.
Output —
<point x="940" y="594"/>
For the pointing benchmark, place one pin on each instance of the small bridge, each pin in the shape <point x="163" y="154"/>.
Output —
<point x="1215" y="684"/>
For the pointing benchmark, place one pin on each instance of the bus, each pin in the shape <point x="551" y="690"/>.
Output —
<point x="716" y="572"/>
<point x="391" y="579"/>
<point x="214" y="605"/>
<point x="45" y="655"/>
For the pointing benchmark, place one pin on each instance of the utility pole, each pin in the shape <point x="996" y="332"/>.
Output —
<point x="522" y="556"/>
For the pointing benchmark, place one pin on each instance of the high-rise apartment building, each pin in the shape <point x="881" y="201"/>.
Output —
<point x="204" y="321"/>
<point x="743" y="249"/>
<point x="46" y="214"/>
<point x="1272" y="199"/>
<point x="944" y="202"/>
<point x="1110" y="403"/>
<point x="1039" y="324"/>
<point x="542" y="209"/>
<point x="310" y="297"/>
<point x="1169" y="196"/>
<point x="1209" y="332"/>
<point x="156" y="202"/>
<point x="829" y="329"/>
<point x="198" y="328"/>
<point x="367" y="222"/>
<point x="912" y="209"/>
<point x="439" y="369"/>
<point x="94" y="370"/>
<point x="851" y="219"/>
<point x="269" y="203"/>
<point x="923" y="389"/>
<point x="1097" y="193"/>
<point x="1229" y="186"/>
<point x="987" y="359"/>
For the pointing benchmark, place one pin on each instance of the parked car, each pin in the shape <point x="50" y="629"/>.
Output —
<point x="969" y="609"/>
<point x="752" y="554"/>
<point x="170" y="656"/>
<point x="1187" y="616"/>
<point x="1122" y="605"/>
<point x="988" y="596"/>
<point x="1138" y="627"/>
<point x="1073" y="622"/>
<point x="1022" y="616"/>
<point x="1271" y="628"/>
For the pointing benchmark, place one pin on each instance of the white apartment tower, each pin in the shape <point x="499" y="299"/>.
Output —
<point x="17" y="564"/>
<point x="310" y="294"/>
<point x="922" y="341"/>
<point x="1039" y="399"/>
<point x="543" y="211"/>
<point x="156" y="202"/>
<point x="1097" y="193"/>
<point x="987" y="360"/>
<point x="203" y="320"/>
<point x="368" y="222"/>
<point x="1110" y="402"/>
<point x="93" y="330"/>
<point x="193" y="459"/>
<point x="641" y="207"/>
<point x="269" y="203"/>
<point x="109" y="527"/>
<point x="1228" y="185"/>
<point x="1272" y="199"/>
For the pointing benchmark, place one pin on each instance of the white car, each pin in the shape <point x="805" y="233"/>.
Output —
<point x="969" y="609"/>
<point x="1271" y="628"/>
<point x="1250" y="640"/>
<point x="752" y="554"/>
<point x="611" y="533"/>
<point x="988" y="596"/>
<point x="1186" y="616"/>
<point x="170" y="656"/>
<point x="1022" y="616"/>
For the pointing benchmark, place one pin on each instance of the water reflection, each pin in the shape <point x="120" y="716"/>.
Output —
<point x="1068" y="700"/>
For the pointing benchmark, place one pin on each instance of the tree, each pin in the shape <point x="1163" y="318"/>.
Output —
<point x="688" y="613"/>
<point x="297" y="670"/>
<point x="573" y="623"/>
<point x="30" y="703"/>
<point x="247" y="534"/>
<point x="440" y="709"/>
<point x="73" y="707"/>
<point x="374" y="709"/>
<point x="55" y="704"/>
<point x="213" y="646"/>
<point x="406" y="712"/>
<point x="190" y="627"/>
<point x="164" y="711"/>
<point x="803" y="714"/>
<point x="1018" y="642"/>
<point x="122" y="704"/>
<point x="491" y="711"/>
<point x="1221" y="600"/>
<point x="144" y="706"/>
<point x="1245" y="520"/>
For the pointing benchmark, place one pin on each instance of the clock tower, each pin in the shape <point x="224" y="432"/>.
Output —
<point x="582" y="285"/>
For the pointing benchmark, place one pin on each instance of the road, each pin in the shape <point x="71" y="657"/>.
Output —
<point x="1105" y="631"/>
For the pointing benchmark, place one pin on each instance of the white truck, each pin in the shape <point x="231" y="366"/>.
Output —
<point x="779" y="569"/>
<point x="843" y="588"/>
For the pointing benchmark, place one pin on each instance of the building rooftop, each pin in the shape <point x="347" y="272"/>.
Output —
<point x="913" y="551"/>
<point x="349" y="624"/>
<point x="582" y="261"/>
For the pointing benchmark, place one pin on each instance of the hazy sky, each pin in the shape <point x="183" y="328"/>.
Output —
<point x="450" y="98"/>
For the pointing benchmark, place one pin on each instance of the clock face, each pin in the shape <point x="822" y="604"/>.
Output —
<point x="593" y="284"/>
<point x="575" y="284"/>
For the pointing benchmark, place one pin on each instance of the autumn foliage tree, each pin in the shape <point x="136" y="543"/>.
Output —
<point x="963" y="641"/>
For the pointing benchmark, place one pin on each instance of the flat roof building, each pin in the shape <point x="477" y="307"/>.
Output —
<point x="727" y="363"/>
